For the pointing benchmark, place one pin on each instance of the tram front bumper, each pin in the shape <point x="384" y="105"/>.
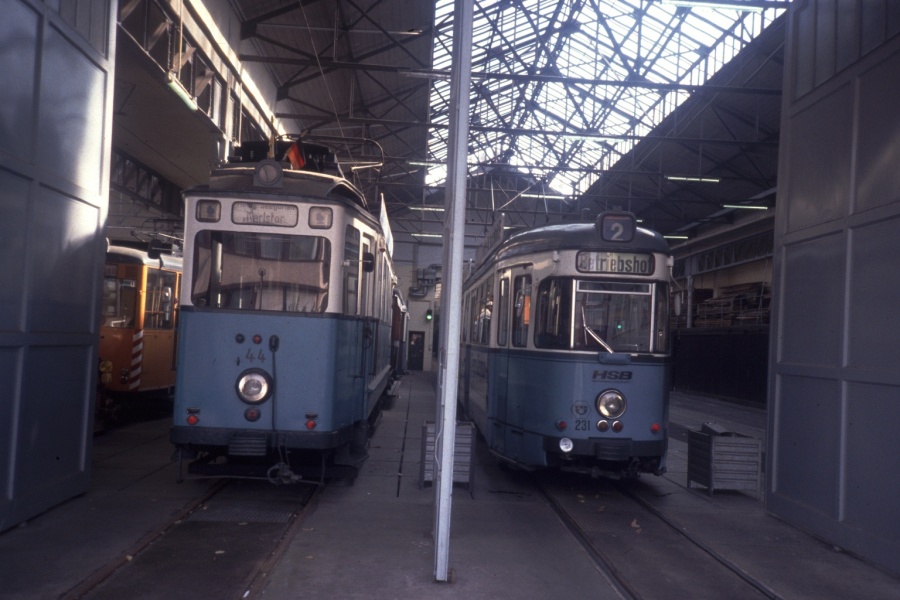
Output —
<point x="228" y="438"/>
<point x="607" y="449"/>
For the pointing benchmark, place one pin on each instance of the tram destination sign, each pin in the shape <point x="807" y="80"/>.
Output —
<point x="615" y="262"/>
<point x="263" y="213"/>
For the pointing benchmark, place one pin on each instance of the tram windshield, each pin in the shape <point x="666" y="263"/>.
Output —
<point x="119" y="302"/>
<point x="260" y="271"/>
<point x="601" y="315"/>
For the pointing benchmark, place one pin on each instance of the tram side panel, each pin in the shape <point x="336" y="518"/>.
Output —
<point x="476" y="391"/>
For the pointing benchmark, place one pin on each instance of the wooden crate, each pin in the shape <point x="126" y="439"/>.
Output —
<point x="728" y="461"/>
<point x="463" y="450"/>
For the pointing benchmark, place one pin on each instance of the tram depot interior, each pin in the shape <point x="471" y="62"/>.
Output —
<point x="761" y="138"/>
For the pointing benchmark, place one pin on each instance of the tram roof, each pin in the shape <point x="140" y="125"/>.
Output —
<point x="124" y="254"/>
<point x="577" y="236"/>
<point x="239" y="178"/>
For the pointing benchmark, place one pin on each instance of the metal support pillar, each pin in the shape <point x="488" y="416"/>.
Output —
<point x="451" y="285"/>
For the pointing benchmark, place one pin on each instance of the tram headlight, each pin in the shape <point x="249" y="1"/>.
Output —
<point x="254" y="386"/>
<point x="611" y="404"/>
<point x="566" y="445"/>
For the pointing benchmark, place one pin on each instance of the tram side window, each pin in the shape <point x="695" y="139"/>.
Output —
<point x="367" y="281"/>
<point x="521" y="310"/>
<point x="475" y="302"/>
<point x="485" y="308"/>
<point x="159" y="300"/>
<point x="553" y="325"/>
<point x="351" y="271"/>
<point x="503" y="313"/>
<point x="464" y="325"/>
<point x="662" y="318"/>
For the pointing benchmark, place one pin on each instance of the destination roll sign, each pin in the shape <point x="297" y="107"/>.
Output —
<point x="615" y="262"/>
<point x="262" y="213"/>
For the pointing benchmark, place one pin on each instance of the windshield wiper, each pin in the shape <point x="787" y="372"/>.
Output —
<point x="593" y="335"/>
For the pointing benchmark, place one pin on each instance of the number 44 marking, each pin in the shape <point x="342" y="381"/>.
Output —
<point x="260" y="356"/>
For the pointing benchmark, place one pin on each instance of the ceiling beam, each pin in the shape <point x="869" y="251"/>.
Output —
<point x="518" y="77"/>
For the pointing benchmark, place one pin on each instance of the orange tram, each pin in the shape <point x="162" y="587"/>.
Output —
<point x="137" y="332"/>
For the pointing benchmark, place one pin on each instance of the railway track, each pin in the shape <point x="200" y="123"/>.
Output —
<point x="220" y="546"/>
<point x="645" y="553"/>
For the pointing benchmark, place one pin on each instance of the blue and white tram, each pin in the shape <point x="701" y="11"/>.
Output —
<point x="565" y="357"/>
<point x="284" y="343"/>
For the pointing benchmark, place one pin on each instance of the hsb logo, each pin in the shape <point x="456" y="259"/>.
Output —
<point x="612" y="375"/>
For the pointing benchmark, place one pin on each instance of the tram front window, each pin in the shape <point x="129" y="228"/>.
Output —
<point x="261" y="271"/>
<point x="119" y="302"/>
<point x="612" y="316"/>
<point x="594" y="315"/>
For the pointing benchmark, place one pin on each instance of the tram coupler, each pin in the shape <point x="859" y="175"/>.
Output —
<point x="282" y="474"/>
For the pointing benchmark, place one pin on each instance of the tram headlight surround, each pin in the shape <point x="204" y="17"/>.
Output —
<point x="254" y="386"/>
<point x="611" y="404"/>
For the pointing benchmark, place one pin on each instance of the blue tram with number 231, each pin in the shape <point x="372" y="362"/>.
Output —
<point x="565" y="358"/>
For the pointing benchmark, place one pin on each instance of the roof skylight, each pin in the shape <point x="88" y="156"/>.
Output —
<point x="562" y="89"/>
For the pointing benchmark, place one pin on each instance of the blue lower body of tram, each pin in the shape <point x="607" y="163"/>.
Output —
<point x="539" y="409"/>
<point x="318" y="382"/>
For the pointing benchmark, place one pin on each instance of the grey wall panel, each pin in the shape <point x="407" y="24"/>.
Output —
<point x="10" y="366"/>
<point x="71" y="119"/>
<point x="878" y="150"/>
<point x="51" y="444"/>
<point x="811" y="323"/>
<point x="821" y="190"/>
<point x="18" y="44"/>
<point x="13" y="226"/>
<point x="809" y="422"/>
<point x="55" y="115"/>
<point x="68" y="229"/>
<point x="834" y="387"/>
<point x="872" y="446"/>
<point x="873" y="332"/>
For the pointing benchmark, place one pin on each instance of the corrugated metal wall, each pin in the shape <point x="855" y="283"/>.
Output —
<point x="55" y="118"/>
<point x="834" y="389"/>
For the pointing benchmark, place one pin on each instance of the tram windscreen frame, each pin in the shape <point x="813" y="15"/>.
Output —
<point x="248" y="270"/>
<point x="581" y="314"/>
<point x="119" y="302"/>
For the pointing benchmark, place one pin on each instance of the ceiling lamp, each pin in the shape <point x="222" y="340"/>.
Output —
<point x="747" y="206"/>
<point x="693" y="179"/>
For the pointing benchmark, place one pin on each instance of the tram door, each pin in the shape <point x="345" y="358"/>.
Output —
<point x="500" y="369"/>
<point x="517" y="388"/>
<point x="416" y="350"/>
